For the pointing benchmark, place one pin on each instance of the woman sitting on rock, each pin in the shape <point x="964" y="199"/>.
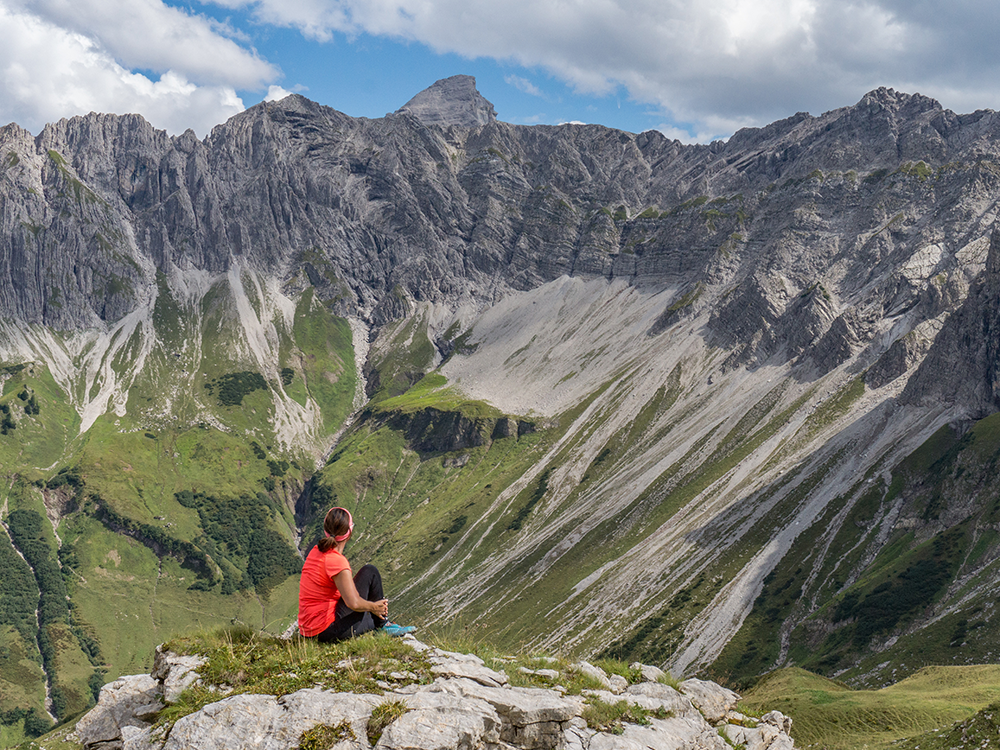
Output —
<point x="333" y="605"/>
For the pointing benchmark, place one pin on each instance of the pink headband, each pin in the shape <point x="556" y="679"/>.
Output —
<point x="350" y="525"/>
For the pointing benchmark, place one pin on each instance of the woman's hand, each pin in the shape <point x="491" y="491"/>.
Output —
<point x="351" y="597"/>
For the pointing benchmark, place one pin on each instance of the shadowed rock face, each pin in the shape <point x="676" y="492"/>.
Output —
<point x="969" y="343"/>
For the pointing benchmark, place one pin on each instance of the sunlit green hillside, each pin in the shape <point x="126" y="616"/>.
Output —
<point x="828" y="714"/>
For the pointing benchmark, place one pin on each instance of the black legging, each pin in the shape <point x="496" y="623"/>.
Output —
<point x="349" y="623"/>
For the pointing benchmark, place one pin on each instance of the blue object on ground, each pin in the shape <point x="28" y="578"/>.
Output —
<point x="397" y="631"/>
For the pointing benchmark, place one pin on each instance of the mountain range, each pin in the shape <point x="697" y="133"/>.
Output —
<point x="721" y="407"/>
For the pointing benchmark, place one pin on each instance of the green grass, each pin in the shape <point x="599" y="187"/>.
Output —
<point x="248" y="661"/>
<point x="252" y="662"/>
<point x="135" y="601"/>
<point x="325" y="356"/>
<point x="22" y="681"/>
<point x="385" y="485"/>
<point x="836" y="406"/>
<point x="830" y="715"/>
<point x="126" y="599"/>
<point x="432" y="392"/>
<point x="382" y="716"/>
<point x="324" y="736"/>
<point x="980" y="731"/>
<point x="39" y="439"/>
<point x="404" y="355"/>
<point x="609" y="717"/>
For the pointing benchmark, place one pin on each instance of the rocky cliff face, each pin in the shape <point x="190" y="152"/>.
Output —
<point x="724" y="351"/>
<point x="474" y="210"/>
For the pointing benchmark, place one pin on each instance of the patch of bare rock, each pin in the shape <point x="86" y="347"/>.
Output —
<point x="468" y="706"/>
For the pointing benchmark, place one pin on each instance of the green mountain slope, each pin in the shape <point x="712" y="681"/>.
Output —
<point x="174" y="509"/>
<point x="899" y="582"/>
<point x="917" y="711"/>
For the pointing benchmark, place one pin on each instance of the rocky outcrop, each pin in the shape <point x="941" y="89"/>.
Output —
<point x="451" y="101"/>
<point x="124" y="708"/>
<point x="468" y="706"/>
<point x="176" y="673"/>
<point x="435" y="431"/>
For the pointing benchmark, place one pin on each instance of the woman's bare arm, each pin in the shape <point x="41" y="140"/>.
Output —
<point x="351" y="597"/>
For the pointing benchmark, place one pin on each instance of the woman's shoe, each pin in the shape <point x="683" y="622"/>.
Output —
<point x="397" y="631"/>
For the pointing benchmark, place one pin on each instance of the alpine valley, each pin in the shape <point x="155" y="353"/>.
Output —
<point x="721" y="408"/>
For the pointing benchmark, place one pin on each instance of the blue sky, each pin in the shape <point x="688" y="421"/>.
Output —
<point x="368" y="76"/>
<point x="694" y="69"/>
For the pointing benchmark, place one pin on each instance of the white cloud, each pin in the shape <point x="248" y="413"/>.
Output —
<point x="686" y="136"/>
<point x="149" y="35"/>
<point x="712" y="63"/>
<point x="48" y="72"/>
<point x="523" y="84"/>
<point x="276" y="93"/>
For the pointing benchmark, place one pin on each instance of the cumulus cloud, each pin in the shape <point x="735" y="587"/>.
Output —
<point x="718" y="64"/>
<point x="276" y="93"/>
<point x="149" y="35"/>
<point x="59" y="59"/>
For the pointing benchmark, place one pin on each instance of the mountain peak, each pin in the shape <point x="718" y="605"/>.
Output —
<point x="451" y="101"/>
<point x="887" y="98"/>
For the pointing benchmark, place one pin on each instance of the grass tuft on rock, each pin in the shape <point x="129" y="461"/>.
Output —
<point x="324" y="736"/>
<point x="610" y="717"/>
<point x="243" y="660"/>
<point x="620" y="668"/>
<point x="382" y="716"/>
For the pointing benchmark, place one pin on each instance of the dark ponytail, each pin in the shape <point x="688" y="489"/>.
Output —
<point x="336" y="523"/>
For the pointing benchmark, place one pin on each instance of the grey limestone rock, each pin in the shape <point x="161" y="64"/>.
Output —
<point x="234" y="723"/>
<point x="649" y="672"/>
<point x="123" y="704"/>
<point x="662" y="734"/>
<point x="481" y="674"/>
<point x="576" y="735"/>
<point x="451" y="101"/>
<point x="242" y="722"/>
<point x="675" y="733"/>
<point x="451" y="664"/>
<point x="762" y="737"/>
<point x="531" y="717"/>
<point x="175" y="672"/>
<point x="145" y="738"/>
<point x="713" y="700"/>
<point x="596" y="673"/>
<point x="377" y="213"/>
<point x="654" y="695"/>
<point x="452" y="712"/>
<point x="778" y="720"/>
<point x="437" y="721"/>
<point x="618" y="683"/>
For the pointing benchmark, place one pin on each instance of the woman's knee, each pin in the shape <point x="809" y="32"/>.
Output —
<point x="369" y="582"/>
